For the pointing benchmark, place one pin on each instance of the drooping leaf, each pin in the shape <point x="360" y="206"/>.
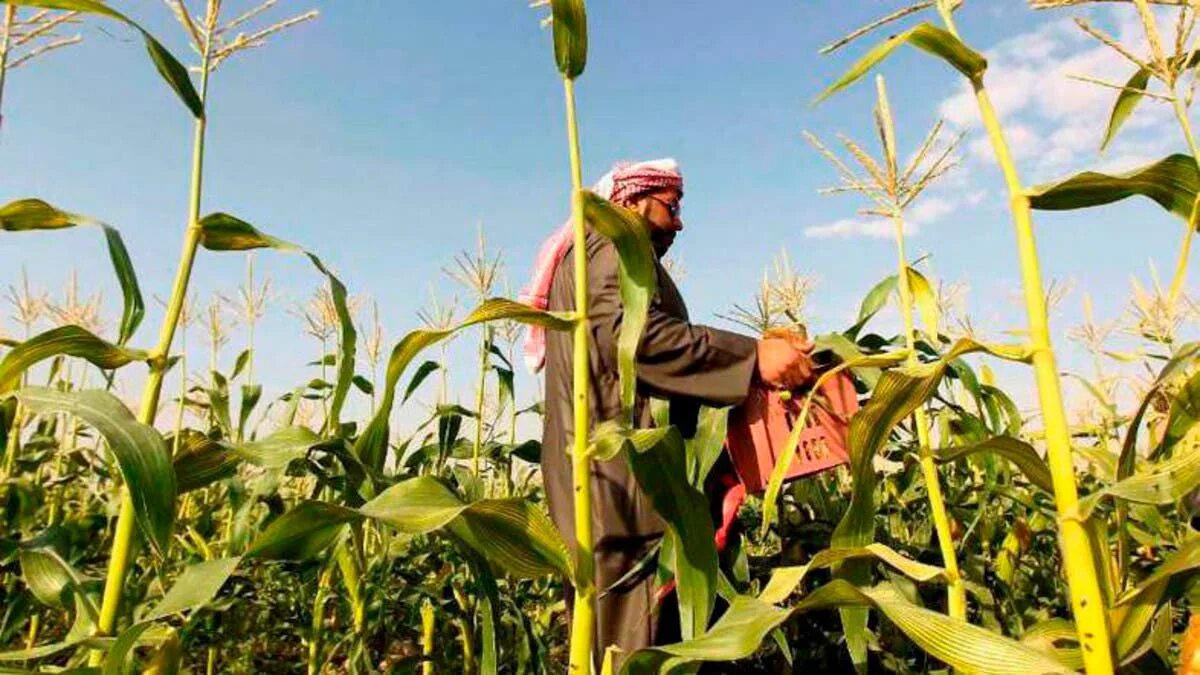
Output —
<point x="68" y="341"/>
<point x="638" y="279"/>
<point x="279" y="449"/>
<point x="785" y="580"/>
<point x="371" y="445"/>
<point x="171" y="70"/>
<point x="748" y="621"/>
<point x="1127" y="101"/>
<point x="51" y="579"/>
<point x="511" y="534"/>
<point x="570" y="36"/>
<point x="139" y="449"/>
<point x="302" y="533"/>
<point x="201" y="461"/>
<point x="34" y="214"/>
<point x="423" y="371"/>
<point x="1020" y="453"/>
<point x="223" y="232"/>
<point x="1172" y="182"/>
<point x="926" y="37"/>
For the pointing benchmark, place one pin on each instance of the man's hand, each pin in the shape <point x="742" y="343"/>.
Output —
<point x="784" y="363"/>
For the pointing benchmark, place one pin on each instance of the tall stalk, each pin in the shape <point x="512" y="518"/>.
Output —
<point x="1087" y="603"/>
<point x="583" y="618"/>
<point x="480" y="397"/>
<point x="122" y="545"/>
<point x="956" y="592"/>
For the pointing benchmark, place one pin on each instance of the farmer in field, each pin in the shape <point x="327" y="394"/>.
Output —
<point x="685" y="363"/>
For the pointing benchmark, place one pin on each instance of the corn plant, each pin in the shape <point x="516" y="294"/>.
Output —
<point x="891" y="188"/>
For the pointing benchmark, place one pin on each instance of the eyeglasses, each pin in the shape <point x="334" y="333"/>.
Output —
<point x="674" y="208"/>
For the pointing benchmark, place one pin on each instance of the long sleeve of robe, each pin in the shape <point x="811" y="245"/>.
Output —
<point x="686" y="363"/>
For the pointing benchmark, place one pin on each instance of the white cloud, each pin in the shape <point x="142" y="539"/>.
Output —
<point x="930" y="209"/>
<point x="1053" y="122"/>
<point x="846" y="228"/>
<point x="927" y="210"/>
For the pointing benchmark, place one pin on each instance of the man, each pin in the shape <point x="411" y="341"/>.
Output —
<point x="685" y="363"/>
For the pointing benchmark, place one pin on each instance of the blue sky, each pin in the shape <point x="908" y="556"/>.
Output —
<point x="383" y="134"/>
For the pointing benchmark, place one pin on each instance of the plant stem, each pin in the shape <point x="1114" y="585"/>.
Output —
<point x="480" y="395"/>
<point x="956" y="593"/>
<point x="583" y="618"/>
<point x="122" y="546"/>
<point x="1185" y="249"/>
<point x="427" y="627"/>
<point x="1087" y="604"/>
<point x="318" y="620"/>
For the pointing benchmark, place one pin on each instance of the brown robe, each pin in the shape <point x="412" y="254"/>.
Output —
<point x="677" y="360"/>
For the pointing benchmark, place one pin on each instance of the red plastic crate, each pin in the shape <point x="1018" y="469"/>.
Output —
<point x="759" y="429"/>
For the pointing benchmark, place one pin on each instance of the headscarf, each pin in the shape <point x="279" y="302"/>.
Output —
<point x="624" y="183"/>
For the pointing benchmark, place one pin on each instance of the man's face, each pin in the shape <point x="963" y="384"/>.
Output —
<point x="661" y="210"/>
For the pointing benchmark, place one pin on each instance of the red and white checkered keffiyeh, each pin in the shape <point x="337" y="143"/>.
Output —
<point x="625" y="182"/>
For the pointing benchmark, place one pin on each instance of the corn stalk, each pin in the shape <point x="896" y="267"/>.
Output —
<point x="122" y="545"/>
<point x="1087" y="603"/>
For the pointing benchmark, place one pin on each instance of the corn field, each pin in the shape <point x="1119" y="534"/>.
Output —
<point x="206" y="523"/>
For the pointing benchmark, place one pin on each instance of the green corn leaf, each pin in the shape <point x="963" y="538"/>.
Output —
<point x="661" y="471"/>
<point x="302" y="533"/>
<point x="925" y="298"/>
<point x="785" y="580"/>
<point x="223" y="232"/>
<point x="1172" y="182"/>
<point x="251" y="394"/>
<point x="139" y="449"/>
<point x="899" y="392"/>
<point x="704" y="448"/>
<point x="68" y="341"/>
<point x="570" y="36"/>
<point x="926" y="37"/>
<point x="423" y="371"/>
<point x="638" y="280"/>
<point x="371" y="446"/>
<point x="1127" y="102"/>
<point x="511" y="534"/>
<point x="81" y="630"/>
<point x="505" y="392"/>
<point x="51" y="579"/>
<point x="875" y="300"/>
<point x="193" y="589"/>
<point x="1163" y="483"/>
<point x="171" y="70"/>
<point x="748" y="621"/>
<point x="34" y="214"/>
<point x="1183" y="416"/>
<point x="1020" y="453"/>
<point x="279" y="449"/>
<point x="514" y="535"/>
<point x="1181" y="360"/>
<point x="200" y="461"/>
